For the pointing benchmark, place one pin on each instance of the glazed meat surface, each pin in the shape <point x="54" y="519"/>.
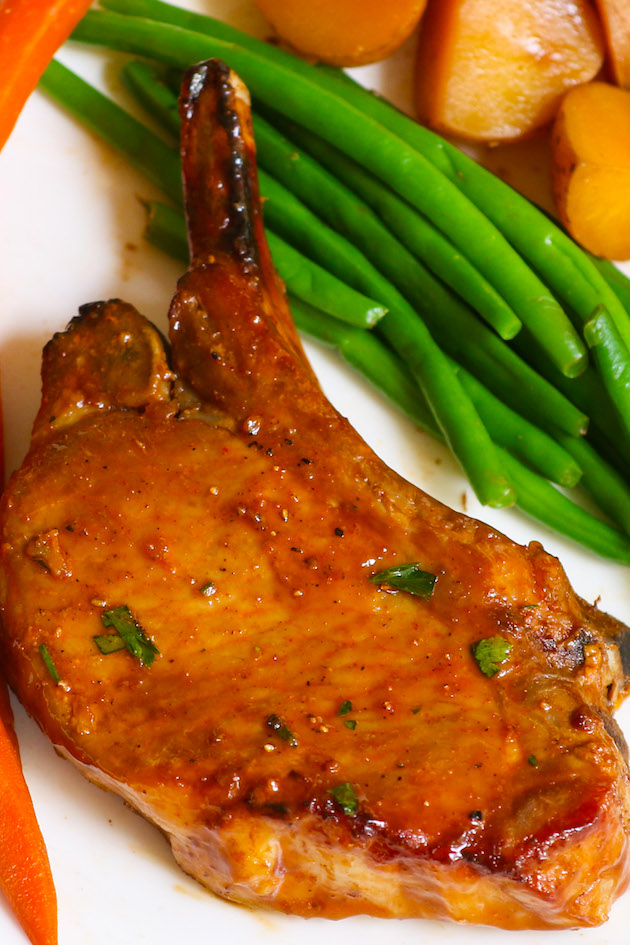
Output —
<point x="309" y="740"/>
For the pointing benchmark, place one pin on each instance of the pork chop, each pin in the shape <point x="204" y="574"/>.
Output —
<point x="192" y="610"/>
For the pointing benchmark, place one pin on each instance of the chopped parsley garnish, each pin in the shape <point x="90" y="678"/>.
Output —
<point x="49" y="664"/>
<point x="490" y="653"/>
<point x="533" y="760"/>
<point x="345" y="707"/>
<point x="110" y="643"/>
<point x="350" y="723"/>
<point x="346" y="797"/>
<point x="208" y="589"/>
<point x="131" y="634"/>
<point x="282" y="730"/>
<point x="407" y="577"/>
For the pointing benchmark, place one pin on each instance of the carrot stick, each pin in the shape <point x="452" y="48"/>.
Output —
<point x="31" y="31"/>
<point x="25" y="873"/>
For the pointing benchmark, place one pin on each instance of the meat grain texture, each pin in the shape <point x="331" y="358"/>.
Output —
<point x="308" y="740"/>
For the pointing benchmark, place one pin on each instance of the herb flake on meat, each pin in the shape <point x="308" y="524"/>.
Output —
<point x="132" y="636"/>
<point x="489" y="653"/>
<point x="407" y="577"/>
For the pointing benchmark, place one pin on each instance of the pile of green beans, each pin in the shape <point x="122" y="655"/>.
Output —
<point x="467" y="339"/>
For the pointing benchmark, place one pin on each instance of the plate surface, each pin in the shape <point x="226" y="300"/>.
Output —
<point x="71" y="226"/>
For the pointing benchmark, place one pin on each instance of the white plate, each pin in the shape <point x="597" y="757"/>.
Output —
<point x="71" y="232"/>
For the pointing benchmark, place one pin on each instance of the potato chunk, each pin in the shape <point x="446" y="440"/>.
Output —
<point x="494" y="70"/>
<point x="615" y="15"/>
<point x="591" y="168"/>
<point x="343" y="32"/>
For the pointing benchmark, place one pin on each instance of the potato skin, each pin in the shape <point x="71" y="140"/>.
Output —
<point x="496" y="71"/>
<point x="343" y="32"/>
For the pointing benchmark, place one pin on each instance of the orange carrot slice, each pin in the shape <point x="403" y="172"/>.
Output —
<point x="30" y="33"/>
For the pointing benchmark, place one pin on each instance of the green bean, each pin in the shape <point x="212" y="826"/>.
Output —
<point x="357" y="209"/>
<point x="370" y="190"/>
<point x="535" y="496"/>
<point x="458" y="332"/>
<point x="507" y="428"/>
<point x="542" y="501"/>
<point x="611" y="356"/>
<point x="363" y="351"/>
<point x="302" y="227"/>
<point x="287" y="217"/>
<point x="371" y="358"/>
<point x="166" y="229"/>
<point x="601" y="481"/>
<point x="144" y="151"/>
<point x="386" y="371"/>
<point x="566" y="267"/>
<point x="386" y="155"/>
<point x="515" y="381"/>
<point x="508" y="376"/>
<point x="464" y="431"/>
<point x="286" y="214"/>
<point x="616" y="280"/>
<point x="587" y="393"/>
<point x="142" y="81"/>
<point x="569" y="270"/>
<point x="311" y="282"/>
<point x="291" y="219"/>
<point x="475" y="347"/>
<point x="466" y="434"/>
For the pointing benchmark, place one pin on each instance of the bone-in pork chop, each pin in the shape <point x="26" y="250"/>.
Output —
<point x="188" y="612"/>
